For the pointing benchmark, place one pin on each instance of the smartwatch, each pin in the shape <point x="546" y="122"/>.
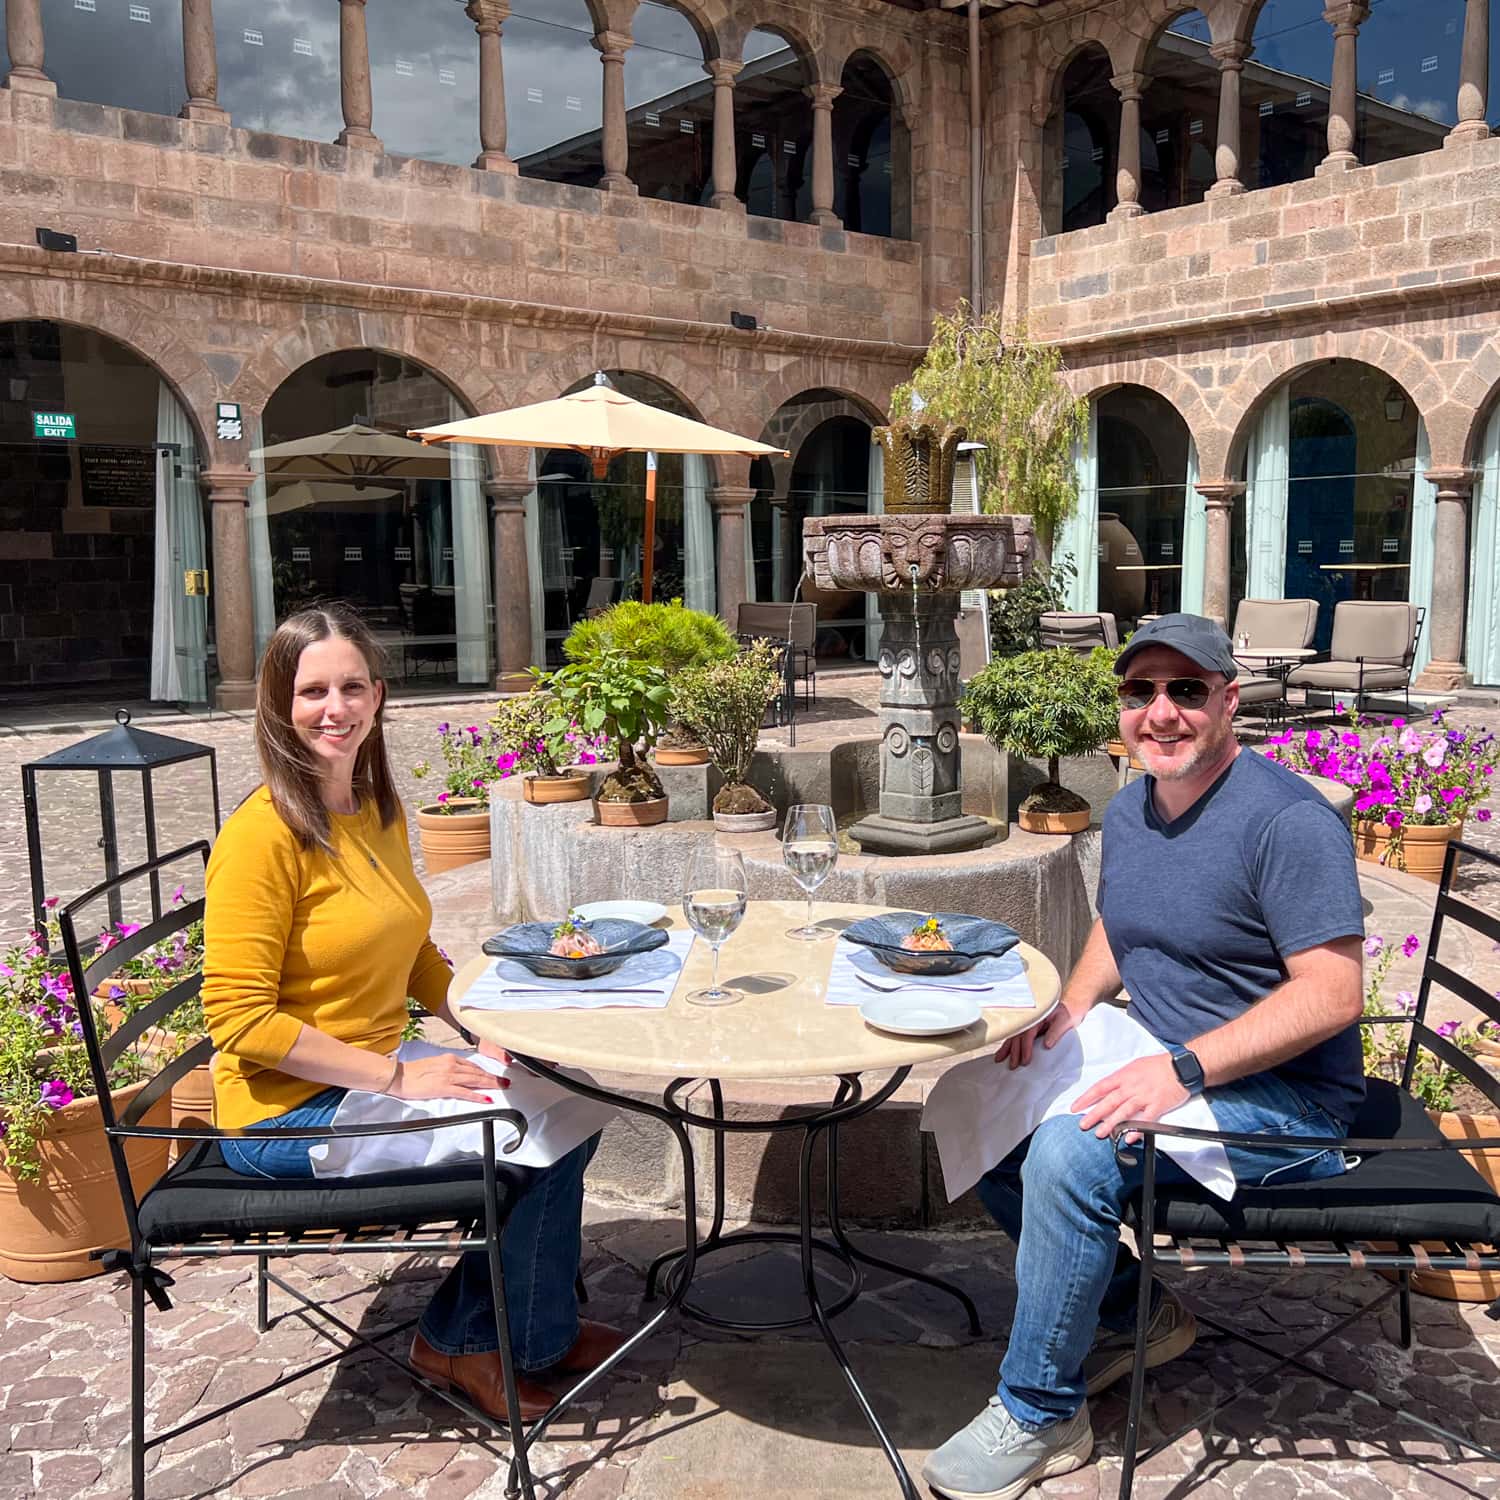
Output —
<point x="1188" y="1069"/>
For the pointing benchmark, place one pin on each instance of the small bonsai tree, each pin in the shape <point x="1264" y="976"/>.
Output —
<point x="722" y="704"/>
<point x="623" y="699"/>
<point x="1045" y="705"/>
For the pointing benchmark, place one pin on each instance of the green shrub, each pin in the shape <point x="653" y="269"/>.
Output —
<point x="669" y="636"/>
<point x="622" y="699"/>
<point x="1016" y="614"/>
<point x="722" y="703"/>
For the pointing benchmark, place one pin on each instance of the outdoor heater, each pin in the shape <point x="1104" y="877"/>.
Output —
<point x="121" y="749"/>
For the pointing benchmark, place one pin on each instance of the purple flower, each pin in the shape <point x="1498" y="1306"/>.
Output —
<point x="1406" y="1002"/>
<point x="1422" y="805"/>
<point x="1410" y="944"/>
<point x="1394" y="818"/>
<point x="442" y="796"/>
<point x="1437" y="716"/>
<point x="1410" y="742"/>
<point x="1350" y="739"/>
<point x="442" y="729"/>
<point x="116" y="992"/>
<point x="50" y="904"/>
<point x="1373" y="944"/>
<point x="178" y="896"/>
<point x="6" y="972"/>
<point x="48" y="1022"/>
<point x="1448" y="1029"/>
<point x="1451" y="794"/>
<point x="479" y="783"/>
<point x="56" y="1094"/>
<point x="127" y="929"/>
<point x="1482" y="815"/>
<point x="1314" y="739"/>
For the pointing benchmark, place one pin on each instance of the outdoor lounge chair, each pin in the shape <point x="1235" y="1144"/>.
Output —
<point x="202" y="1208"/>
<point x="1272" y="624"/>
<point x="1078" y="632"/>
<point x="1412" y="1194"/>
<point x="797" y="624"/>
<point x="1373" y="647"/>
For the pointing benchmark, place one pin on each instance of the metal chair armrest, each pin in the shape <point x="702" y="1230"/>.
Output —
<point x="324" y="1132"/>
<point x="1152" y="1128"/>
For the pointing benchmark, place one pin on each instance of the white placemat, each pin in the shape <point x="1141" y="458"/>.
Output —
<point x="1005" y="977"/>
<point x="508" y="985"/>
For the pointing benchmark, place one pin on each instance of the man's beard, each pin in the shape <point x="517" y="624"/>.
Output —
<point x="1206" y="748"/>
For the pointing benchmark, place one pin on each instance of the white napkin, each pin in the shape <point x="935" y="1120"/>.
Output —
<point x="1006" y="976"/>
<point x="980" y="1111"/>
<point x="655" y="972"/>
<point x="557" y="1121"/>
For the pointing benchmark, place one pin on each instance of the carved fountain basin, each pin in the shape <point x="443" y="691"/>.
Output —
<point x="951" y="552"/>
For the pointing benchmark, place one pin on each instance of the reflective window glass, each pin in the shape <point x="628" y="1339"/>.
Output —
<point x="1179" y="116"/>
<point x="871" y="157"/>
<point x="424" y="80"/>
<point x="773" y="129"/>
<point x="669" y="107"/>
<point x="279" y="66"/>
<point x="1284" y="94"/>
<point x="1081" y="144"/>
<point x="1409" y="54"/>
<point x="87" y="40"/>
<point x="553" y="92"/>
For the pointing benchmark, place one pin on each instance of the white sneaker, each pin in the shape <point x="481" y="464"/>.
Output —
<point x="1173" y="1332"/>
<point x="995" y="1458"/>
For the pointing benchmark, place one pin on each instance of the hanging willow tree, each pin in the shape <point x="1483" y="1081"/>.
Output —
<point x="1007" y="393"/>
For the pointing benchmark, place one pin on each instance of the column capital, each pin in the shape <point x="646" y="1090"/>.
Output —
<point x="487" y="15"/>
<point x="729" y="497"/>
<point x="612" y="45"/>
<point x="1346" y="17"/>
<point x="1456" y="484"/>
<point x="1220" y="494"/>
<point x="507" y="495"/>
<point x="822" y="94"/>
<point x="723" y="70"/>
<point x="1131" y="85"/>
<point x="1232" y="54"/>
<point x="227" y="486"/>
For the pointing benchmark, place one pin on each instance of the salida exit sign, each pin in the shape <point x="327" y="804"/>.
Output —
<point x="53" y="424"/>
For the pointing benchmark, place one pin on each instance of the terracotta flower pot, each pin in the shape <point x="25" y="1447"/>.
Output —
<point x="667" y="755"/>
<point x="48" y="1228"/>
<point x="1053" y="822"/>
<point x="570" y="787"/>
<point x="192" y="1106"/>
<point x="753" y="822"/>
<point x="451" y="839"/>
<point x="631" y="814"/>
<point x="1423" y="847"/>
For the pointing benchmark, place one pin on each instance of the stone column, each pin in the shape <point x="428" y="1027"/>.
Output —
<point x="1130" y="86"/>
<point x="512" y="582"/>
<point x="1218" y="502"/>
<point x="1345" y="20"/>
<point x="732" y="503"/>
<point x="822" y="96"/>
<point x="354" y="78"/>
<point x="1473" y="76"/>
<point x="612" y="47"/>
<point x="25" y="42"/>
<point x="1231" y="58"/>
<point x="488" y="17"/>
<point x="200" y="63"/>
<point x="1445" y="617"/>
<point x="726" y="172"/>
<point x="234" y="606"/>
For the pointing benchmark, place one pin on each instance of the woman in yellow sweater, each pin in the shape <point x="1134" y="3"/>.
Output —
<point x="316" y="931"/>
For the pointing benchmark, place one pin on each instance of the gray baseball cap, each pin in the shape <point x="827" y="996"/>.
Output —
<point x="1195" y="636"/>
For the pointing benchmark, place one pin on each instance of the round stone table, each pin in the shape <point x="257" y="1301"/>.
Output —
<point x="782" y="1029"/>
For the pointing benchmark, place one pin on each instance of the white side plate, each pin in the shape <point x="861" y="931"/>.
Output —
<point x="929" y="1014"/>
<point x="644" y="912"/>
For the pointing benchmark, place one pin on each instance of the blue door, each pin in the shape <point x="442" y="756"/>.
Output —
<point x="1321" y="465"/>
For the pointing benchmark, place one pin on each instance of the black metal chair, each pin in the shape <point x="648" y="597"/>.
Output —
<point x="1412" y="1194"/>
<point x="201" y="1207"/>
<point x="782" y="709"/>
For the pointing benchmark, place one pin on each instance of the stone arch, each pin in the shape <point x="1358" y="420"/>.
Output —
<point x="1147" y="25"/>
<point x="804" y="43"/>
<point x="1050" y="70"/>
<point x="709" y="18"/>
<point x="812" y="416"/>
<point x="1474" y="397"/>
<point x="1167" y="381"/>
<point x="657" y="362"/>
<point x="147" y="332"/>
<point x="900" y="77"/>
<point x="868" y="387"/>
<point x="1382" y="351"/>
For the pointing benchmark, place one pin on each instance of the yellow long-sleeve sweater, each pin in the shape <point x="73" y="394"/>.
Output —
<point x="294" y="938"/>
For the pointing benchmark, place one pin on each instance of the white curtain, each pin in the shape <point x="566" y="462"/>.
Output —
<point x="875" y="493"/>
<point x="471" y="555"/>
<point x="750" y="590"/>
<point x="179" y="623"/>
<point x="1423" y="542"/>
<point x="1483" y="649"/>
<point x="1194" y="536"/>
<point x="699" y="586"/>
<point x="262" y="577"/>
<point x="534" y="569"/>
<point x="1078" y="536"/>
<point x="1266" y="477"/>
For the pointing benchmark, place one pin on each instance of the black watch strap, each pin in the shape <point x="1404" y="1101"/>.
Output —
<point x="1188" y="1069"/>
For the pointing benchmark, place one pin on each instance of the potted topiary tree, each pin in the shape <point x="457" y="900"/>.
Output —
<point x="624" y="700"/>
<point x="1047" y="704"/>
<point x="670" y="636"/>
<point x="723" y="704"/>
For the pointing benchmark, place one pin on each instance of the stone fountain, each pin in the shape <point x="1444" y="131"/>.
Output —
<point x="918" y="557"/>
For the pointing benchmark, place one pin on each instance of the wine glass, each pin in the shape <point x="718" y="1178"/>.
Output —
<point x="713" y="902"/>
<point x="810" y="848"/>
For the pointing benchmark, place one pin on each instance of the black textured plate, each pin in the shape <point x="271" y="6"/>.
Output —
<point x="973" y="938"/>
<point x="528" y="942"/>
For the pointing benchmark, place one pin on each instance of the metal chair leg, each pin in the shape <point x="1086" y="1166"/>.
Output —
<point x="580" y="1289"/>
<point x="262" y="1320"/>
<point x="1404" y="1303"/>
<point x="1145" y="1246"/>
<point x="137" y="1385"/>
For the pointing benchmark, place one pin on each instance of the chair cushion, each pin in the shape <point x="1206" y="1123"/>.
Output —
<point x="1260" y="689"/>
<point x="1345" y="674"/>
<point x="1390" y="1195"/>
<point x="201" y="1196"/>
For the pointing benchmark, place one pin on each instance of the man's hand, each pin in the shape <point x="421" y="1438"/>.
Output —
<point x="1016" y="1050"/>
<point x="1145" y="1089"/>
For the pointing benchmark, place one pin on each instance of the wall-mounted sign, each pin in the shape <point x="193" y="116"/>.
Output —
<point x="1346" y="547"/>
<point x="53" y="424"/>
<point x="354" y="554"/>
<point x="1304" y="548"/>
<point x="402" y="554"/>
<point x="230" y="425"/>
<point x="117" y="476"/>
<point x="301" y="554"/>
<point x="1390" y="544"/>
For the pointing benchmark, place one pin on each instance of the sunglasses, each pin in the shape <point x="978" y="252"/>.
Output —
<point x="1185" y="692"/>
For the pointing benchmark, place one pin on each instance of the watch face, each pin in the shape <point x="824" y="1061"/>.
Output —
<point x="1189" y="1071"/>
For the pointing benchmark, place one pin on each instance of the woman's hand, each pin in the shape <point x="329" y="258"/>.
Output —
<point x="445" y="1077"/>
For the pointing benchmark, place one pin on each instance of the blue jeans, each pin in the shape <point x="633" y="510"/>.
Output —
<point x="539" y="1249"/>
<point x="1072" y="1272"/>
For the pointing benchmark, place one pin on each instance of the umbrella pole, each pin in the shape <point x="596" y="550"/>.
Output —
<point x="650" y="554"/>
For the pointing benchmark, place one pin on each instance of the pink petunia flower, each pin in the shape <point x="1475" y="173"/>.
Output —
<point x="1406" y="1002"/>
<point x="1410" y="944"/>
<point x="1422" y="805"/>
<point x="56" y="1094"/>
<point x="1373" y="945"/>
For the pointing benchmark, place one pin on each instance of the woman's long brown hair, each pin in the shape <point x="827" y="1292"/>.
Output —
<point x="287" y="764"/>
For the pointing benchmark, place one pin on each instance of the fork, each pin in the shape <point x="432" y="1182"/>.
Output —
<point x="888" y="987"/>
<point x="537" y="989"/>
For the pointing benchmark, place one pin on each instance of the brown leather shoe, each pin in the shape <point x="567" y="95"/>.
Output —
<point x="478" y="1377"/>
<point x="594" y="1344"/>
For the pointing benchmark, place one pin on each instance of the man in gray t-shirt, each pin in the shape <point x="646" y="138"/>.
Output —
<point x="1230" y="912"/>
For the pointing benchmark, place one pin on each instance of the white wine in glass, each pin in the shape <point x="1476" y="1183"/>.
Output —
<point x="713" y="902"/>
<point x="810" y="849"/>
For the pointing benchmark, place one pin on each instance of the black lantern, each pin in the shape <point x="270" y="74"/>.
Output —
<point x="119" y="749"/>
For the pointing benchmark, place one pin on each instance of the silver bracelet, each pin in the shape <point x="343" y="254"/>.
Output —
<point x="390" y="1082"/>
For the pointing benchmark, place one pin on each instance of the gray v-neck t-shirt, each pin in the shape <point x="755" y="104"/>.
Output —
<point x="1202" y="912"/>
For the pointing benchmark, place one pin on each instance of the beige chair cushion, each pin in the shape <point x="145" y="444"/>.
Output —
<point x="1345" y="674"/>
<point x="1378" y="630"/>
<point x="1080" y="632"/>
<point x="1259" y="689"/>
<point x="1276" y="622"/>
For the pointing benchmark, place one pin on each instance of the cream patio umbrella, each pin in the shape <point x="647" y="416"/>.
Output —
<point x="354" y="452"/>
<point x="602" y="423"/>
